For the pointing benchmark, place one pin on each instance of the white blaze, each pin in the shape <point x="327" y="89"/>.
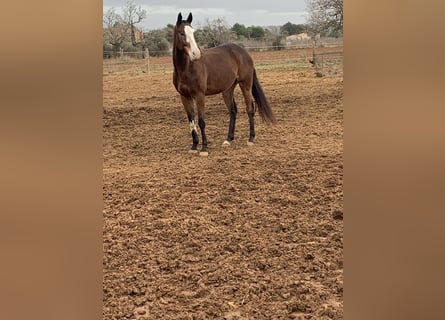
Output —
<point x="194" y="52"/>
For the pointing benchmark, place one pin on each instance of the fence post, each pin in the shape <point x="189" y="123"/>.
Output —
<point x="322" y="63"/>
<point x="147" y="57"/>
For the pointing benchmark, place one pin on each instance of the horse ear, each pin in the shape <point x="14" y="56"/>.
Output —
<point x="179" y="18"/>
<point x="190" y="18"/>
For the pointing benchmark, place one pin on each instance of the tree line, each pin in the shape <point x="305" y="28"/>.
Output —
<point x="122" y="34"/>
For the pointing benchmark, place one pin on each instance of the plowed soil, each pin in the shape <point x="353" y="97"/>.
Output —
<point x="249" y="232"/>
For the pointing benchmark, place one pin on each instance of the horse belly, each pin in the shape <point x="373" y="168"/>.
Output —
<point x="218" y="82"/>
<point x="212" y="91"/>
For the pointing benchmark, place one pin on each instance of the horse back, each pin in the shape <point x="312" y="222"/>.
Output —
<point x="226" y="64"/>
<point x="226" y="56"/>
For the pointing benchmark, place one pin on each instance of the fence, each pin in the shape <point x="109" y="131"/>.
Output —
<point x="249" y="45"/>
<point x="326" y="61"/>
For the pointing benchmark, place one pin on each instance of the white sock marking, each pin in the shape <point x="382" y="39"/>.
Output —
<point x="192" y="126"/>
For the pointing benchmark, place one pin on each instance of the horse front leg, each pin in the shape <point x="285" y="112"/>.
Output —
<point x="200" y="103"/>
<point x="233" y="112"/>
<point x="189" y="109"/>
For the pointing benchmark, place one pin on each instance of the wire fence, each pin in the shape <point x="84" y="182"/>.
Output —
<point x="326" y="61"/>
<point x="249" y="46"/>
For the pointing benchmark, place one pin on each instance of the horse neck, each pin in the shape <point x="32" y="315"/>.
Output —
<point x="180" y="59"/>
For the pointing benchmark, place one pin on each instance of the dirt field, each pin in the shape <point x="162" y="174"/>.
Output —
<point x="245" y="233"/>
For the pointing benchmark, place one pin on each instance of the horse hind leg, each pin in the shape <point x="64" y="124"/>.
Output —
<point x="229" y="100"/>
<point x="250" y="108"/>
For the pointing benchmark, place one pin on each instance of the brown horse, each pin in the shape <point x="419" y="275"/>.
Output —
<point x="201" y="72"/>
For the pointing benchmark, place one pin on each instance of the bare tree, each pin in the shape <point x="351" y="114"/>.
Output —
<point x="325" y="16"/>
<point x="115" y="30"/>
<point x="133" y="14"/>
<point x="120" y="28"/>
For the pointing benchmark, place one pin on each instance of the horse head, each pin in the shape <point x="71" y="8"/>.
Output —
<point x="184" y="40"/>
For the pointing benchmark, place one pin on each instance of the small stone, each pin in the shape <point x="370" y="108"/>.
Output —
<point x="141" y="311"/>
<point x="285" y="295"/>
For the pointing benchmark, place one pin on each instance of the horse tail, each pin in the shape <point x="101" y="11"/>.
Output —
<point x="261" y="100"/>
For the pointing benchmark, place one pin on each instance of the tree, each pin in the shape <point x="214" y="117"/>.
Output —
<point x="132" y="15"/>
<point x="255" y="32"/>
<point x="325" y="17"/>
<point x="291" y="28"/>
<point x="158" y="41"/>
<point x="214" y="33"/>
<point x="169" y="32"/>
<point x="115" y="31"/>
<point x="240" y="30"/>
<point x="274" y="37"/>
<point x="120" y="30"/>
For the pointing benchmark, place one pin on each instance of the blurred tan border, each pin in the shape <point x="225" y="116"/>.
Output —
<point x="394" y="179"/>
<point x="51" y="159"/>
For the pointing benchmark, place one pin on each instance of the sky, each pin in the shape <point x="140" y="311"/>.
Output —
<point x="247" y="12"/>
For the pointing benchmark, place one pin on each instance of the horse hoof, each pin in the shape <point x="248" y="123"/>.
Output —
<point x="192" y="151"/>
<point x="250" y="143"/>
<point x="226" y="143"/>
<point x="203" y="153"/>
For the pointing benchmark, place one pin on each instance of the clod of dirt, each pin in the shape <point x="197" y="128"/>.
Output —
<point x="337" y="215"/>
<point x="309" y="256"/>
